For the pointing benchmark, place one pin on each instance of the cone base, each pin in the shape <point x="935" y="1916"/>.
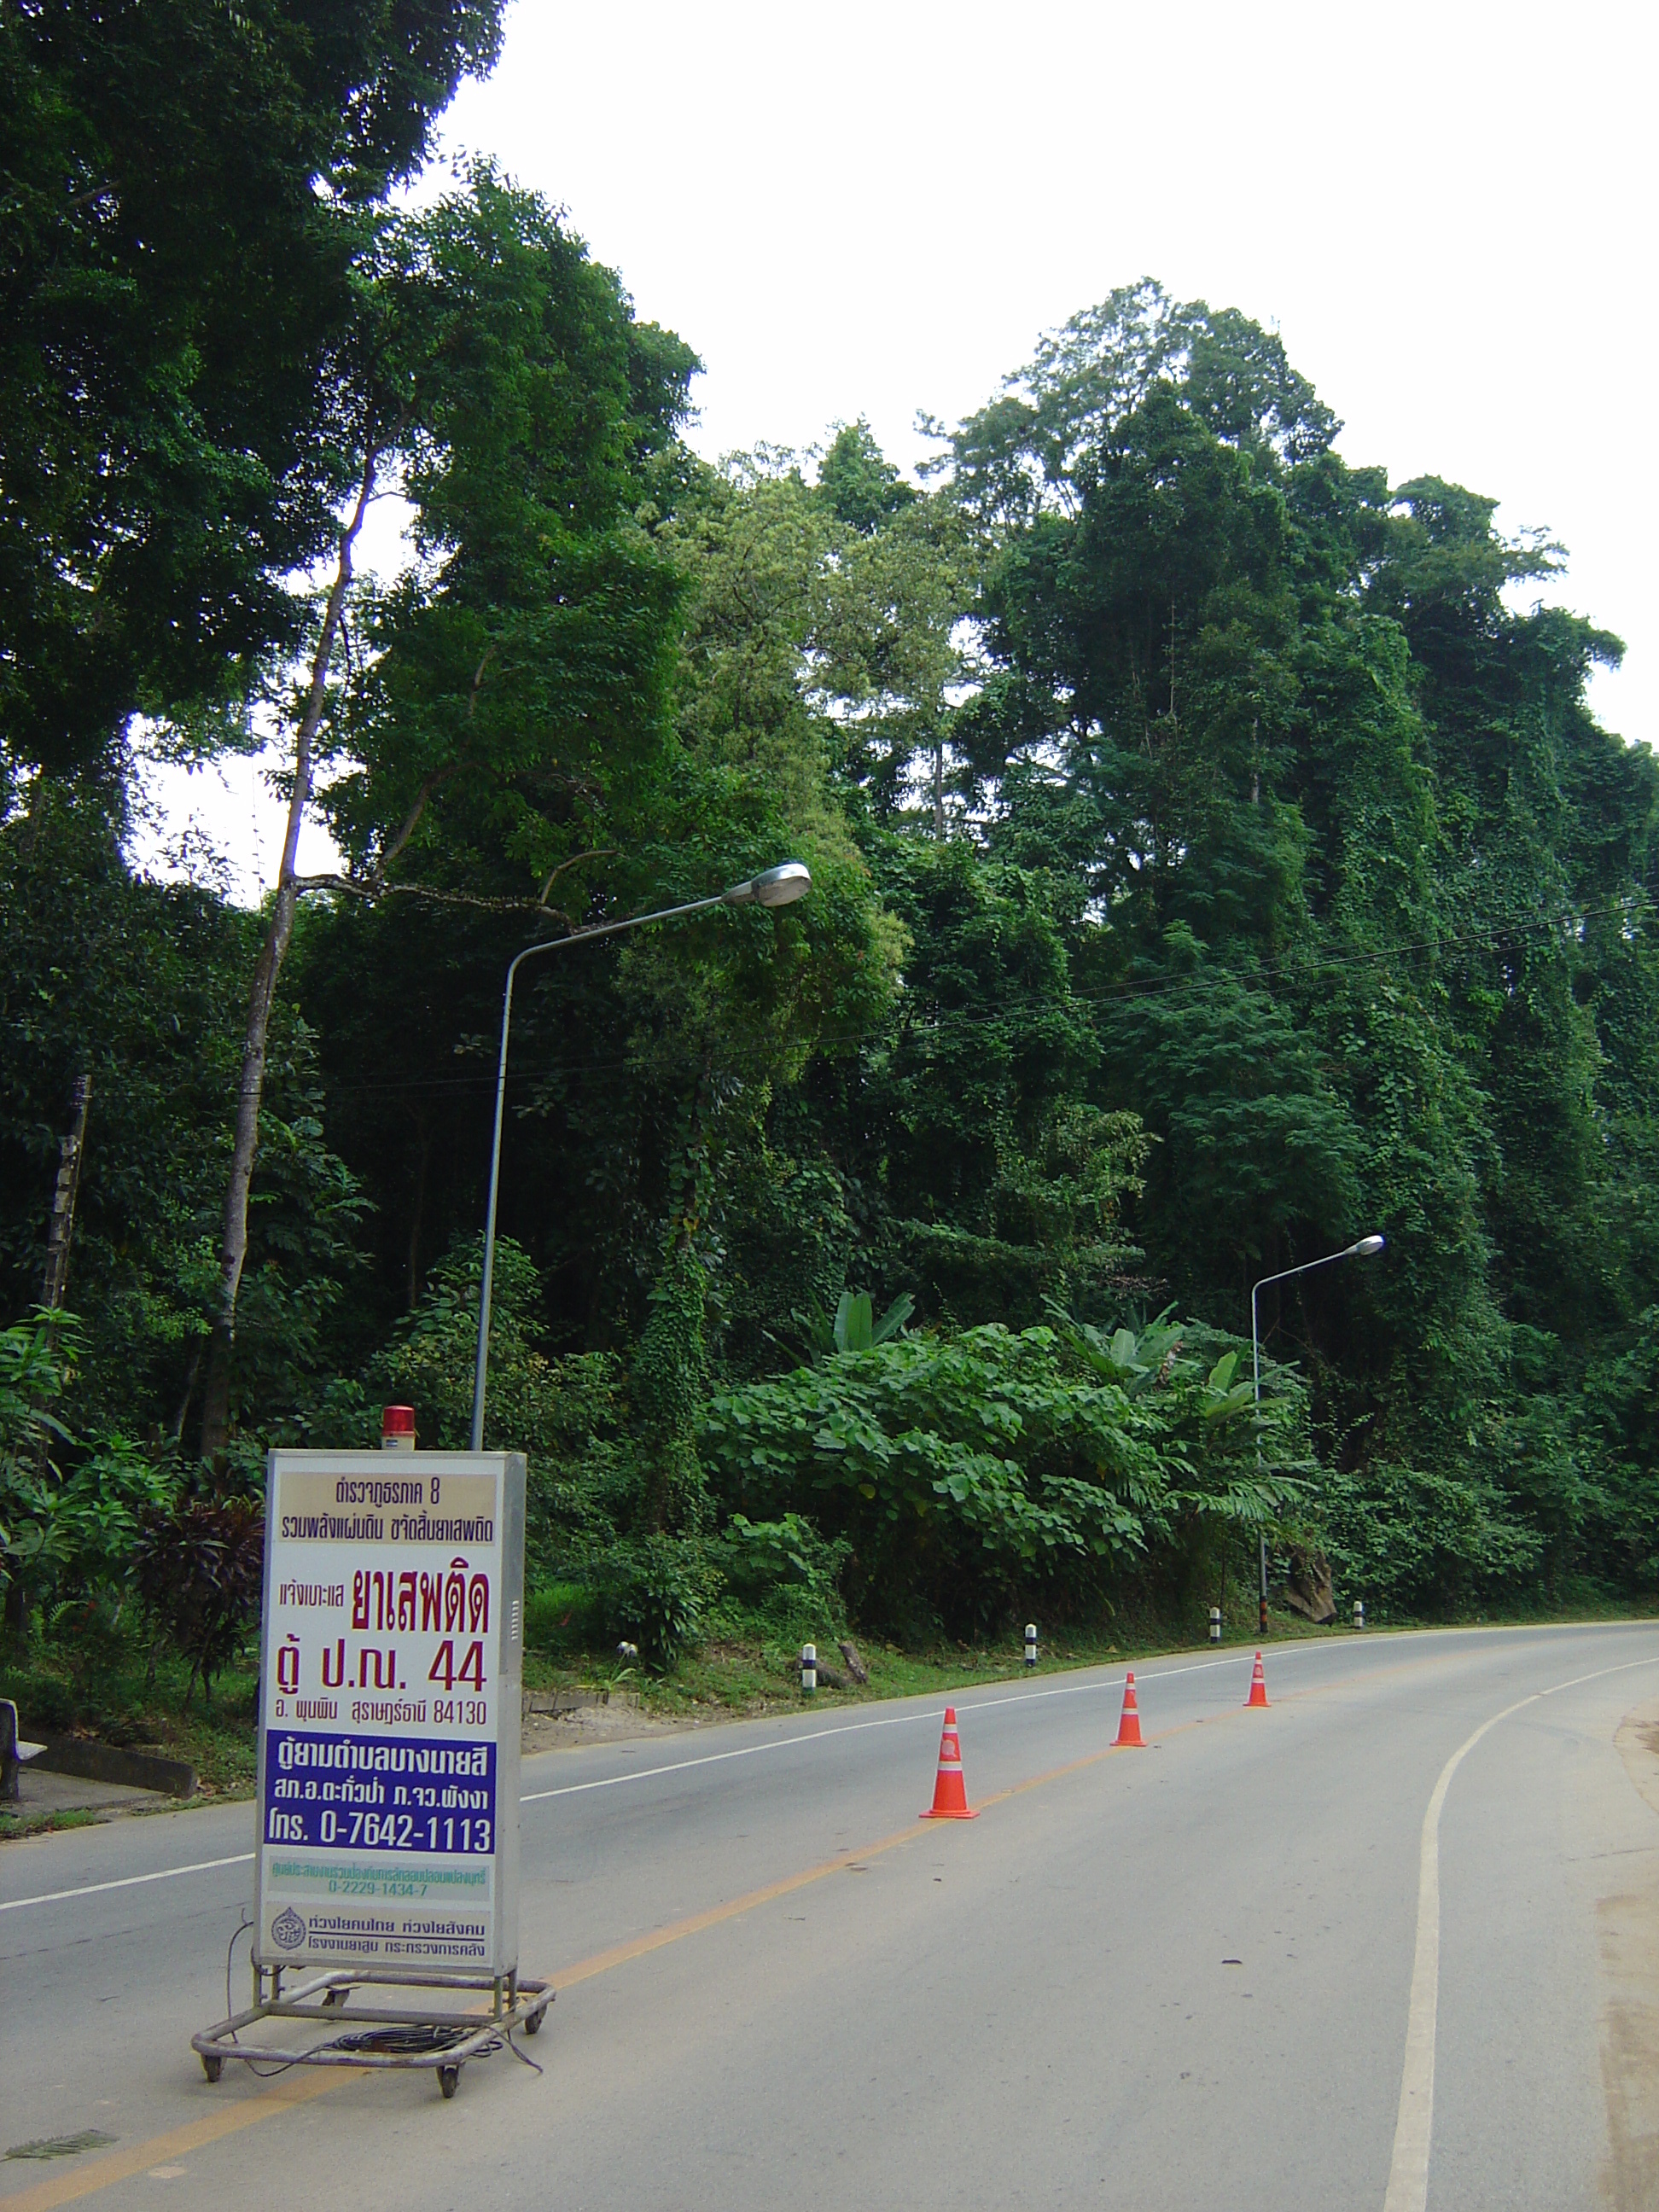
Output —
<point x="932" y="1814"/>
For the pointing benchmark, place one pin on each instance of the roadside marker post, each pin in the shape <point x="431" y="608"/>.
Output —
<point x="390" y="1670"/>
<point x="1360" y="1612"/>
<point x="1215" y="1624"/>
<point x="809" y="1669"/>
<point x="1030" y="1644"/>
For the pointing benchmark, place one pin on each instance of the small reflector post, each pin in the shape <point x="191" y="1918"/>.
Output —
<point x="397" y="1428"/>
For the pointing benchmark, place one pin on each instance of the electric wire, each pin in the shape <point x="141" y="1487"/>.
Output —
<point x="1307" y="966"/>
<point x="399" y="2040"/>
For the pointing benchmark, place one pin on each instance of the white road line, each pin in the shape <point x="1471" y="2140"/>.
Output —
<point x="645" y="1774"/>
<point x="127" y="1882"/>
<point x="855" y="1727"/>
<point x="717" y="1758"/>
<point x="1408" y="2171"/>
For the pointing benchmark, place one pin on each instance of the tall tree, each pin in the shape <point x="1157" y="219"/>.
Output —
<point x="184" y="189"/>
<point x="496" y="376"/>
<point x="1348" y="834"/>
<point x="140" y="984"/>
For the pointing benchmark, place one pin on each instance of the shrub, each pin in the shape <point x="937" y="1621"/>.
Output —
<point x="783" y="1567"/>
<point x="563" y="1617"/>
<point x="656" y="1593"/>
<point x="199" y="1570"/>
<point x="33" y="1372"/>
<point x="962" y="1469"/>
<point x="428" y="1364"/>
<point x="97" y="1512"/>
<point x="1409" y="1542"/>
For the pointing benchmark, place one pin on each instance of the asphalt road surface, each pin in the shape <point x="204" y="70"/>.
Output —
<point x="1393" y="1943"/>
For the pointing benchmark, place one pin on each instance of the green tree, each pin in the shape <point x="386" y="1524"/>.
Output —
<point x="187" y="187"/>
<point x="498" y="378"/>
<point x="137" y="984"/>
<point x="971" y="1470"/>
<point x="1358" y="892"/>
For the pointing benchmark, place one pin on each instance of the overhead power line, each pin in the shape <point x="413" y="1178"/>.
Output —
<point x="1305" y="965"/>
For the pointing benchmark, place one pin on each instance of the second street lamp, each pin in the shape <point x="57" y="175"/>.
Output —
<point x="1366" y="1248"/>
<point x="779" y="886"/>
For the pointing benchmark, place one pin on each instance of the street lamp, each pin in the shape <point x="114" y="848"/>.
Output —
<point x="1366" y="1249"/>
<point x="780" y="886"/>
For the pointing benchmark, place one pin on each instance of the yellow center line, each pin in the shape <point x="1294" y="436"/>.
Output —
<point x="121" y="2165"/>
<point x="302" y="2086"/>
<point x="694" y="1923"/>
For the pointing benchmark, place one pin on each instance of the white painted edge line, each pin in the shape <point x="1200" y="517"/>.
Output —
<point x="778" y="1743"/>
<point x="127" y="1882"/>
<point x="1408" y="2169"/>
<point x="650" y="1773"/>
<point x="930" y="1712"/>
<point x="970" y="1704"/>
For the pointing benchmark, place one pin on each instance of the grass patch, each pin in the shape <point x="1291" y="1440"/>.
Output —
<point x="746" y="1665"/>
<point x="13" y="1824"/>
<point x="748" y="1662"/>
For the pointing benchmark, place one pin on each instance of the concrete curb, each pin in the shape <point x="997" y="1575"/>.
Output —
<point x="106" y="1762"/>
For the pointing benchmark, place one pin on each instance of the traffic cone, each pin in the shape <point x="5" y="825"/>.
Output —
<point x="1258" y="1685"/>
<point x="949" y="1790"/>
<point x="1129" y="1729"/>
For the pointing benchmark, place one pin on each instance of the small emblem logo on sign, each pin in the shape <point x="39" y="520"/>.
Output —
<point x="288" y="1928"/>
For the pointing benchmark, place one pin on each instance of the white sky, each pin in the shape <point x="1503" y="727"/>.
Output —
<point x="1448" y="211"/>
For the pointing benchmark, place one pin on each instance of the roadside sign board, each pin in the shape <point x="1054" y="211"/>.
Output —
<point x="389" y="1711"/>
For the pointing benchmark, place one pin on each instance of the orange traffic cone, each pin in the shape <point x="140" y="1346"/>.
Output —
<point x="1129" y="1729"/>
<point x="949" y="1790"/>
<point x="1258" y="1685"/>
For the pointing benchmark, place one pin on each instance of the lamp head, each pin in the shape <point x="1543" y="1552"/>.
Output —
<point x="780" y="886"/>
<point x="1367" y="1248"/>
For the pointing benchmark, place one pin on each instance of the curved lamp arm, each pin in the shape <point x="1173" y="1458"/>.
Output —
<point x="1366" y="1248"/>
<point x="780" y="886"/>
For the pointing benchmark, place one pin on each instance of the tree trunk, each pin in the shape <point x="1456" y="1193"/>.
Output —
<point x="53" y="1282"/>
<point x="191" y="1380"/>
<point x="55" y="1277"/>
<point x="215" y="1397"/>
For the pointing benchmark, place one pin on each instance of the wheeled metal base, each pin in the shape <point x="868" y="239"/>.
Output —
<point x="323" y="2001"/>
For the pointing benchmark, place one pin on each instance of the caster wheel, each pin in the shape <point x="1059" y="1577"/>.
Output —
<point x="448" y="2077"/>
<point x="334" y="1996"/>
<point x="213" y="2068"/>
<point x="533" y="2025"/>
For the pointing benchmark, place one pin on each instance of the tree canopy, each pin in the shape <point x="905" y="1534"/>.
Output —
<point x="185" y="189"/>
<point x="1213" y="859"/>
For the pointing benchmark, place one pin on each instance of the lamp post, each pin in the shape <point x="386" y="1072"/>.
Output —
<point x="780" y="886"/>
<point x="1367" y="1248"/>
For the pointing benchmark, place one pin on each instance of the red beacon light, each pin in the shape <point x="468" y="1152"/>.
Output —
<point x="397" y="1428"/>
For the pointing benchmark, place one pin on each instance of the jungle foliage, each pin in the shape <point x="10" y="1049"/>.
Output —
<point x="1214" y="857"/>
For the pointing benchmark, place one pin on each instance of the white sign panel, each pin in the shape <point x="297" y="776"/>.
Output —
<point x="389" y="1711"/>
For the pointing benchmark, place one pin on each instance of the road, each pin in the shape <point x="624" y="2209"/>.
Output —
<point x="1199" y="1974"/>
